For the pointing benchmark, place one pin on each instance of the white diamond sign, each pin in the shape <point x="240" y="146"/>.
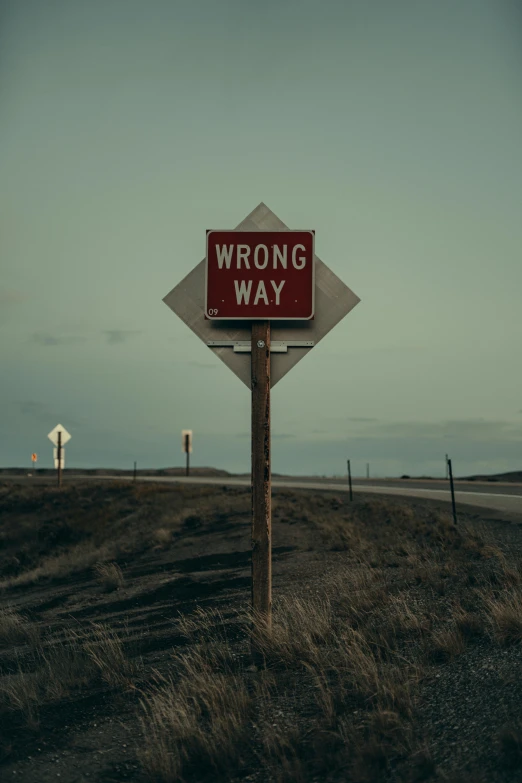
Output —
<point x="333" y="300"/>
<point x="53" y="435"/>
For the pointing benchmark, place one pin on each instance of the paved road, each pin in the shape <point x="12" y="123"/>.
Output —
<point x="503" y="488"/>
<point x="506" y="498"/>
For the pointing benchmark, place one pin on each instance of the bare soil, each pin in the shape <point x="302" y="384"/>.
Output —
<point x="395" y="655"/>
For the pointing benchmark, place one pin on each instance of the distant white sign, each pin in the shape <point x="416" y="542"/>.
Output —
<point x="53" y="435"/>
<point x="186" y="434"/>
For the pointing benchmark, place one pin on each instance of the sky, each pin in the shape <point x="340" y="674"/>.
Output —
<point x="129" y="127"/>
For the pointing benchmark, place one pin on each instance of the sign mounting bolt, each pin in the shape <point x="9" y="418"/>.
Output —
<point x="260" y="343"/>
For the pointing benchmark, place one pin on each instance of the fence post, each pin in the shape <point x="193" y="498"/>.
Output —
<point x="452" y="492"/>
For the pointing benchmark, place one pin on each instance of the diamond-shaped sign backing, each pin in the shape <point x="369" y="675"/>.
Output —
<point x="53" y="435"/>
<point x="333" y="300"/>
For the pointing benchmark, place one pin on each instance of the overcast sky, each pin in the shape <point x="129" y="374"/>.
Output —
<point x="127" y="128"/>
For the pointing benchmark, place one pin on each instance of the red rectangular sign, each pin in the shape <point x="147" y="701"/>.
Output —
<point x="260" y="275"/>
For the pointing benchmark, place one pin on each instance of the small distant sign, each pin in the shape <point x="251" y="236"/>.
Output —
<point x="53" y="435"/>
<point x="34" y="457"/>
<point x="186" y="441"/>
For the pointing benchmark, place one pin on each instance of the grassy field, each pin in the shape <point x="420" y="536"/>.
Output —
<point x="125" y="634"/>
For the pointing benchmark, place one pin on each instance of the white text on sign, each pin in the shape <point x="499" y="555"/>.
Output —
<point x="279" y="256"/>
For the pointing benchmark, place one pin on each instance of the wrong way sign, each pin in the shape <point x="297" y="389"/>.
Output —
<point x="265" y="275"/>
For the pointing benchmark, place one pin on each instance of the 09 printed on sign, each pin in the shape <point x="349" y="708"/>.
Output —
<point x="260" y="275"/>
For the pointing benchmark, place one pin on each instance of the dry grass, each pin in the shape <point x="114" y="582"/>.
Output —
<point x="56" y="671"/>
<point x="49" y="535"/>
<point x="281" y="753"/>
<point x="198" y="722"/>
<point x="201" y="720"/>
<point x="109" y="575"/>
<point x="17" y="630"/>
<point x="104" y="647"/>
<point x="348" y="676"/>
<point x="79" y="558"/>
<point x="505" y="614"/>
<point x="60" y="667"/>
<point x="300" y="634"/>
<point x="162" y="537"/>
<point x="446" y="643"/>
<point x="337" y="688"/>
<point x="336" y="692"/>
<point x="471" y="624"/>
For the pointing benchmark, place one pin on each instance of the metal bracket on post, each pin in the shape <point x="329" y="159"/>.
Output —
<point x="245" y="346"/>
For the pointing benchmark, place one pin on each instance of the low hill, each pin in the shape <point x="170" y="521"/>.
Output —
<point x="113" y="472"/>
<point x="515" y="476"/>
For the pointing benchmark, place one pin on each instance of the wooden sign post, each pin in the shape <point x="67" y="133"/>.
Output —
<point x="261" y="475"/>
<point x="350" y="479"/>
<point x="453" y="506"/>
<point x="59" y="436"/>
<point x="186" y="445"/>
<point x="59" y="454"/>
<point x="260" y="300"/>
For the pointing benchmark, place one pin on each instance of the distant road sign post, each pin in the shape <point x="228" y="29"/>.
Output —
<point x="186" y="442"/>
<point x="261" y="290"/>
<point x="59" y="458"/>
<point x="34" y="458"/>
<point x="453" y="506"/>
<point x="59" y="436"/>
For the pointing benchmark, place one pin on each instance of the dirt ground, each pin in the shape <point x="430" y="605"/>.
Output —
<point x="125" y="632"/>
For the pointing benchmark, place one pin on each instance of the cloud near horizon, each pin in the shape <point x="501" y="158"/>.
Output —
<point x="46" y="339"/>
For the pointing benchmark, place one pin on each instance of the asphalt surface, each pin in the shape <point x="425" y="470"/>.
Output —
<point x="489" y="488"/>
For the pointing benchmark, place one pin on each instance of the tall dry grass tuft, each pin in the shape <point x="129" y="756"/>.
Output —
<point x="195" y="725"/>
<point x="505" y="616"/>
<point x="281" y="754"/>
<point x="471" y="624"/>
<point x="15" y="629"/>
<point x="300" y="634"/>
<point x="109" y="575"/>
<point x="446" y="643"/>
<point x="162" y="537"/>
